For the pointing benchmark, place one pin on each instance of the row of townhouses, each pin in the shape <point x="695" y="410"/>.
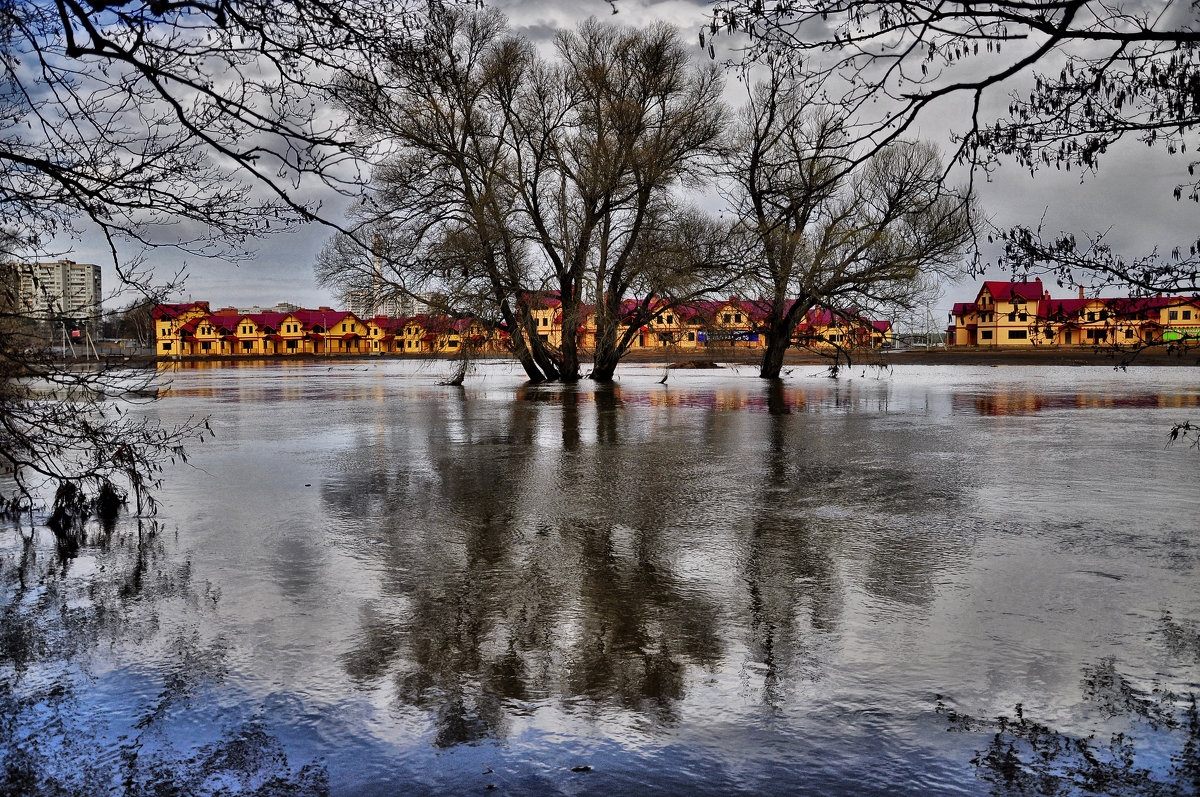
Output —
<point x="193" y="330"/>
<point x="1024" y="314"/>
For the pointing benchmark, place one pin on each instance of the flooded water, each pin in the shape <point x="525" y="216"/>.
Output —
<point x="368" y="583"/>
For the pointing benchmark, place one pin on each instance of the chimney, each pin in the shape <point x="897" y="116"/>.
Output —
<point x="1081" y="292"/>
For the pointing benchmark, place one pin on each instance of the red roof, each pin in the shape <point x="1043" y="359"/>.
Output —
<point x="322" y="318"/>
<point x="176" y="310"/>
<point x="219" y="322"/>
<point x="1062" y="308"/>
<point x="1006" y="291"/>
<point x="962" y="308"/>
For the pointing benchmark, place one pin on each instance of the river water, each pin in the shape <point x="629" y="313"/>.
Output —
<point x="368" y="583"/>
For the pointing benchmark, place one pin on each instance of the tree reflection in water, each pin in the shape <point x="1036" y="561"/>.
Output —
<point x="1145" y="741"/>
<point x="609" y="565"/>
<point x="90" y="588"/>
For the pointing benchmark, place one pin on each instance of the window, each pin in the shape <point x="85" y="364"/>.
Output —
<point x="291" y="344"/>
<point x="1173" y="315"/>
<point x="452" y="344"/>
<point x="1022" y="317"/>
<point x="1128" y="334"/>
<point x="1103" y="315"/>
<point x="247" y="345"/>
<point x="1012" y="316"/>
<point x="692" y="336"/>
<point x="545" y="321"/>
<point x="1187" y="315"/>
<point x="737" y="318"/>
<point x="205" y="346"/>
<point x="344" y="327"/>
<point x="985" y="335"/>
<point x="1018" y="334"/>
<point x="1091" y="316"/>
<point x="167" y="346"/>
<point x="670" y="319"/>
<point x="725" y="318"/>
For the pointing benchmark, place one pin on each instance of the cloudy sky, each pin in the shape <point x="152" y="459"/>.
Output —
<point x="1131" y="197"/>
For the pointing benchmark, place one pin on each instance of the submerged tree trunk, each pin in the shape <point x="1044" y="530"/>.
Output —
<point x="520" y="348"/>
<point x="605" y="361"/>
<point x="607" y="354"/>
<point x="569" y="348"/>
<point x="779" y="329"/>
<point x="772" y="361"/>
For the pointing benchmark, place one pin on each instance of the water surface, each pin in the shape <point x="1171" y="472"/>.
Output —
<point x="369" y="583"/>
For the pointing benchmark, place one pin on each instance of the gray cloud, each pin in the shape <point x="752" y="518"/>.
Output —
<point x="1130" y="195"/>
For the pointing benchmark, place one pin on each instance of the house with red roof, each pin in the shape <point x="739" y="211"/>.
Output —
<point x="169" y="321"/>
<point x="1022" y="313"/>
<point x="822" y="327"/>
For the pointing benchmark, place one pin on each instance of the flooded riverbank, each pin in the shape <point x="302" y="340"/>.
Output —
<point x="369" y="583"/>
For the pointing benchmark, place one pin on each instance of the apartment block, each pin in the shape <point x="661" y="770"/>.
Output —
<point x="63" y="289"/>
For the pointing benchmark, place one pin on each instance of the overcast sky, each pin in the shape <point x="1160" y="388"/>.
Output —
<point x="1131" y="196"/>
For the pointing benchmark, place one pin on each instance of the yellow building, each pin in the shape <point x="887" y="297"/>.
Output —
<point x="169" y="321"/>
<point x="1022" y="313"/>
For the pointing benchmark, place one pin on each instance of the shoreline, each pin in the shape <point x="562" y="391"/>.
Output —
<point x="992" y="356"/>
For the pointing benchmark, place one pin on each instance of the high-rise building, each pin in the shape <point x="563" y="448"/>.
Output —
<point x="63" y="290"/>
<point x="367" y="303"/>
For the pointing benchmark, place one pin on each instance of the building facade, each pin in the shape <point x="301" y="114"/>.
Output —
<point x="1024" y="314"/>
<point x="60" y="291"/>
<point x="193" y="330"/>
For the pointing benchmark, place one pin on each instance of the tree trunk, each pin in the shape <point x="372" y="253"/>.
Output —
<point x="604" y="366"/>
<point x="569" y="349"/>
<point x="605" y="357"/>
<point x="520" y="348"/>
<point x="525" y="357"/>
<point x="779" y="337"/>
<point x="780" y="325"/>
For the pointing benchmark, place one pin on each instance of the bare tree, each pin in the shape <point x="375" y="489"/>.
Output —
<point x="826" y="230"/>
<point x="443" y="214"/>
<point x="191" y="124"/>
<point x="504" y="178"/>
<point x="626" y="119"/>
<point x="1043" y="84"/>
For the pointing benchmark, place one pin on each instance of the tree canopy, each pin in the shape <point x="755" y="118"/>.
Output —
<point x="826" y="228"/>
<point x="195" y="124"/>
<point x="1054" y="84"/>
<point x="505" y="178"/>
